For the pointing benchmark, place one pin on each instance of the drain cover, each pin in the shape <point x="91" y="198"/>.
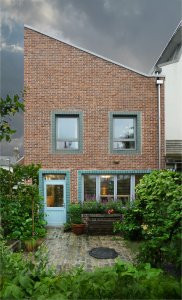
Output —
<point x="102" y="252"/>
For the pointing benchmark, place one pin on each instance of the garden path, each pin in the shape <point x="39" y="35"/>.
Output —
<point x="66" y="250"/>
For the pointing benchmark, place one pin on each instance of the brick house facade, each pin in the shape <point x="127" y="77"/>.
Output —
<point x="89" y="98"/>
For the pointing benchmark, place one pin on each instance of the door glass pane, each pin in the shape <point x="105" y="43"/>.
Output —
<point x="55" y="195"/>
<point x="89" y="187"/>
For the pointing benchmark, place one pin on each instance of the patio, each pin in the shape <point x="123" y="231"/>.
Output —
<point x="67" y="250"/>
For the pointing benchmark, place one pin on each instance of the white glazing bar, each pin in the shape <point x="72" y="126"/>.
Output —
<point x="132" y="188"/>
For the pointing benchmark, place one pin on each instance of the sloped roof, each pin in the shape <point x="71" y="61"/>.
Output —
<point x="173" y="49"/>
<point x="89" y="52"/>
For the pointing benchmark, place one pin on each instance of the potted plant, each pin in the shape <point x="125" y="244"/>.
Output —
<point x="75" y="211"/>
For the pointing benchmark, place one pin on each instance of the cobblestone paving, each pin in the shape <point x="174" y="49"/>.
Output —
<point x="66" y="250"/>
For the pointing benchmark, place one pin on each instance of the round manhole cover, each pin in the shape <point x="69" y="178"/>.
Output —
<point x="102" y="252"/>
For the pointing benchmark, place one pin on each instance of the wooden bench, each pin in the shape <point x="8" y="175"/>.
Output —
<point x="102" y="223"/>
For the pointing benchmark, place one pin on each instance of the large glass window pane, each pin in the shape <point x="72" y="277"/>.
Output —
<point x="67" y="132"/>
<point x="67" y="145"/>
<point x="106" y="187"/>
<point x="124" y="145"/>
<point x="55" y="195"/>
<point x="137" y="178"/>
<point x="123" y="188"/>
<point x="123" y="128"/>
<point x="67" y="128"/>
<point x="89" y="187"/>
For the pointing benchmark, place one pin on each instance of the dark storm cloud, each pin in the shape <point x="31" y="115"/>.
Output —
<point x="132" y="32"/>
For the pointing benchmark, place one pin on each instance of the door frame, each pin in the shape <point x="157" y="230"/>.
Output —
<point x="55" y="209"/>
<point x="42" y="173"/>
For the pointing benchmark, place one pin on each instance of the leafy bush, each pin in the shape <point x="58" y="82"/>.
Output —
<point x="32" y="279"/>
<point x="156" y="215"/>
<point x="75" y="211"/>
<point x="20" y="203"/>
<point x="130" y="226"/>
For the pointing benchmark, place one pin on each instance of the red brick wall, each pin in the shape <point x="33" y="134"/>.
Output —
<point x="61" y="77"/>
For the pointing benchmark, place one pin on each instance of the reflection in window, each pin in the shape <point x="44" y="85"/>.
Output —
<point x="89" y="187"/>
<point x="55" y="195"/>
<point x="124" y="132"/>
<point x="137" y="178"/>
<point x="67" y="133"/>
<point x="123" y="188"/>
<point x="106" y="187"/>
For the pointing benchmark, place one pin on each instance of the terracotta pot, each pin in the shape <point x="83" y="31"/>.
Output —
<point x="78" y="229"/>
<point x="30" y="245"/>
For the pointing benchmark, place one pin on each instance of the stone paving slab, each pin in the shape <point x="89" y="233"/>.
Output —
<point x="66" y="250"/>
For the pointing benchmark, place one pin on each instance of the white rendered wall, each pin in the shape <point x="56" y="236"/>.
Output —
<point x="173" y="100"/>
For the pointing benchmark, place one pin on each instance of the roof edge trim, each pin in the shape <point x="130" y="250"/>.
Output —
<point x="174" y="32"/>
<point x="90" y="52"/>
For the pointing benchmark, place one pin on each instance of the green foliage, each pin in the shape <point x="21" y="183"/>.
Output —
<point x="96" y="207"/>
<point x="92" y="207"/>
<point x="20" y="204"/>
<point x="130" y="227"/>
<point x="156" y="215"/>
<point x="8" y="108"/>
<point x="32" y="279"/>
<point x="75" y="211"/>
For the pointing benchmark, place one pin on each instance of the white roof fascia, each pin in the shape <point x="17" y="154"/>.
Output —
<point x="92" y="53"/>
<point x="179" y="25"/>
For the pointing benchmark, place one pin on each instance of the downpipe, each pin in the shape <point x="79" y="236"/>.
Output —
<point x="159" y="82"/>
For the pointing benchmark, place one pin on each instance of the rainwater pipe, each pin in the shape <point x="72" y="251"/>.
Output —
<point x="159" y="82"/>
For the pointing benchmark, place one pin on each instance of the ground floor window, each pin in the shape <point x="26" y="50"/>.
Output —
<point x="105" y="187"/>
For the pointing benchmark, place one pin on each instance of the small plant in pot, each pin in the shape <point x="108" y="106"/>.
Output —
<point x="78" y="227"/>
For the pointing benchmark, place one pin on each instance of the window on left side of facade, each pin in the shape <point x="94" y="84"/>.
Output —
<point x="67" y="132"/>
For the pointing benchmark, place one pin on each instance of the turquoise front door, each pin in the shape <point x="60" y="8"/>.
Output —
<point x="55" y="202"/>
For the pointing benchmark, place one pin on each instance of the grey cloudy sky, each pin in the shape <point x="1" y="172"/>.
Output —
<point x="131" y="32"/>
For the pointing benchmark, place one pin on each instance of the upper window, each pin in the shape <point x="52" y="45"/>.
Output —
<point x="67" y="132"/>
<point x="125" y="132"/>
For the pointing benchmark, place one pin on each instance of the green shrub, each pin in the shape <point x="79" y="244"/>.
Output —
<point x="75" y="211"/>
<point x="32" y="279"/>
<point x="156" y="216"/>
<point x="130" y="226"/>
<point x="21" y="207"/>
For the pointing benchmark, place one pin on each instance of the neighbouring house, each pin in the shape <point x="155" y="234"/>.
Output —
<point x="92" y="123"/>
<point x="170" y="64"/>
<point x="8" y="162"/>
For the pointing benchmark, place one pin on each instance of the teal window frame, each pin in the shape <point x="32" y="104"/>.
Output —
<point x="137" y="117"/>
<point x="132" y="173"/>
<point x="78" y="114"/>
